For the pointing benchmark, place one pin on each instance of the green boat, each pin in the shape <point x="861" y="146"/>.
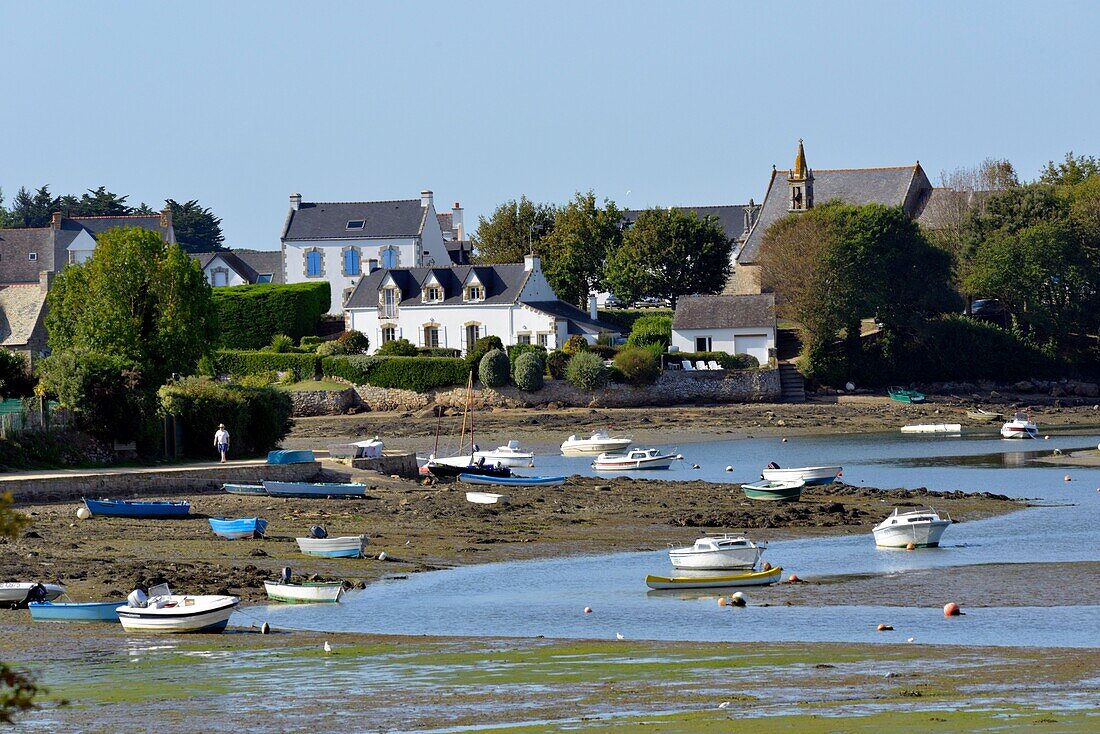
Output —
<point x="902" y="395"/>
<point x="789" y="491"/>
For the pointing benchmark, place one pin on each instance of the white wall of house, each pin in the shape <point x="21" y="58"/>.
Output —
<point x="432" y="249"/>
<point x="407" y="251"/>
<point x="81" y="248"/>
<point x="219" y="274"/>
<point x="754" y="340"/>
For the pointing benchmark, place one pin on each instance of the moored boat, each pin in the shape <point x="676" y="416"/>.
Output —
<point x="983" y="415"/>
<point x="903" y="395"/>
<point x="314" y="489"/>
<point x="451" y="467"/>
<point x="306" y="592"/>
<point x="919" y="528"/>
<point x="753" y="578"/>
<point x="512" y="481"/>
<point x="508" y="455"/>
<point x="133" y="508"/>
<point x="257" y="489"/>
<point x="486" y="498"/>
<point x="598" y="443"/>
<point x="1021" y="426"/>
<point x="774" y="491"/>
<point x="808" y="474"/>
<point x="932" y="428"/>
<point x="345" y="546"/>
<point x="634" y="459"/>
<point x="168" y="613"/>
<point x="16" y="594"/>
<point x="240" y="528"/>
<point x="96" y="611"/>
<point x="284" y="456"/>
<point x="717" y="552"/>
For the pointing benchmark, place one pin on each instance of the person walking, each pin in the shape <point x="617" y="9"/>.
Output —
<point x="221" y="441"/>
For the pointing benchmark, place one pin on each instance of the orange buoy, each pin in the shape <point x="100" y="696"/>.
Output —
<point x="588" y="610"/>
<point x="909" y="546"/>
<point x="884" y="628"/>
<point x="792" y="579"/>
<point x="951" y="609"/>
<point x="722" y="601"/>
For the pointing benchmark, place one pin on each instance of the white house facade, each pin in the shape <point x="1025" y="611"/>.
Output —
<point x="342" y="241"/>
<point x="452" y="307"/>
<point x="743" y="324"/>
<point x="240" y="267"/>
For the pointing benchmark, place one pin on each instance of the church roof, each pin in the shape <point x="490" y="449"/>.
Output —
<point x="730" y="216"/>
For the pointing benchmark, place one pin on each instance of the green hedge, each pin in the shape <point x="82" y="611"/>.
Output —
<point x="625" y="317"/>
<point x="438" y="352"/>
<point x="517" y="349"/>
<point x="651" y="329"/>
<point x="249" y="315"/>
<point x="408" y="373"/>
<point x="238" y="362"/>
<point x="727" y="361"/>
<point x="257" y="418"/>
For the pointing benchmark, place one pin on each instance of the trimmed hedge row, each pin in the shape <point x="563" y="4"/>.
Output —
<point x="727" y="361"/>
<point x="257" y="418"/>
<point x="625" y="317"/>
<point x="249" y="315"/>
<point x="408" y="373"/>
<point x="239" y="362"/>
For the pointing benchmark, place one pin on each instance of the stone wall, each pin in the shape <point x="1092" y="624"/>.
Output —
<point x="322" y="402"/>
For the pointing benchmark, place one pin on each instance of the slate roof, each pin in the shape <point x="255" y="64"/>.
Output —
<point x="459" y="251"/>
<point x="446" y="224"/>
<point x="247" y="263"/>
<point x="21" y="307"/>
<point x="97" y="225"/>
<point x="329" y="220"/>
<point x="503" y="284"/>
<point x="579" y="321"/>
<point x="889" y="186"/>
<point x="15" y="248"/>
<point x="724" y="312"/>
<point x="731" y="216"/>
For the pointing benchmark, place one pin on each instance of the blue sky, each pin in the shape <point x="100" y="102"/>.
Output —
<point x="238" y="104"/>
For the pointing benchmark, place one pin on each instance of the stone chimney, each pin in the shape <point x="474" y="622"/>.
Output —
<point x="456" y="222"/>
<point x="45" y="280"/>
<point x="593" y="308"/>
<point x="295" y="201"/>
<point x="532" y="262"/>
<point x="166" y="218"/>
<point x="425" y="199"/>
<point x="55" y="220"/>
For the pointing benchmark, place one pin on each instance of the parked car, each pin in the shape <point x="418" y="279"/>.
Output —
<point x="651" y="302"/>
<point x="989" y="309"/>
<point x="612" y="302"/>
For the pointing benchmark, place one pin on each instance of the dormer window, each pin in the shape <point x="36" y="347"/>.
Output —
<point x="433" y="294"/>
<point x="355" y="224"/>
<point x="475" y="293"/>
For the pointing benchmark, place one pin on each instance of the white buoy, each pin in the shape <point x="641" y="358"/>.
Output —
<point x="382" y="556"/>
<point x="83" y="513"/>
<point x="729" y="468"/>
<point x="265" y="629"/>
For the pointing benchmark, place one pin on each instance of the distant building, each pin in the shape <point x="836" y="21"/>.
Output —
<point x="241" y="267"/>
<point x="22" y="316"/>
<point x="735" y="324"/>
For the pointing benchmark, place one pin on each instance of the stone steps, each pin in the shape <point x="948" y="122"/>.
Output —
<point x="792" y="384"/>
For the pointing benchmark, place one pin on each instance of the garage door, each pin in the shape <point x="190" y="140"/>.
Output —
<point x="754" y="344"/>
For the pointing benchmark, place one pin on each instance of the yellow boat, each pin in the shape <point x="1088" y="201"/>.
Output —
<point x="753" y="578"/>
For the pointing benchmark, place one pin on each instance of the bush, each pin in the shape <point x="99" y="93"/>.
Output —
<point x="638" y="365"/>
<point x="651" y="330"/>
<point x="281" y="343"/>
<point x="603" y="351"/>
<point x="528" y="372"/>
<point x="407" y="373"/>
<point x="575" y="345"/>
<point x="494" y="368"/>
<point x="586" y="371"/>
<point x="354" y="342"/>
<point x="480" y="348"/>
<point x="105" y="392"/>
<point x="439" y="352"/>
<point x="625" y="318"/>
<point x="239" y="362"/>
<point x="257" y="418"/>
<point x="556" y="363"/>
<point x="309" y="341"/>
<point x="397" y="348"/>
<point x="330" y="349"/>
<point x="515" y="350"/>
<point x="15" y="380"/>
<point x="249" y="315"/>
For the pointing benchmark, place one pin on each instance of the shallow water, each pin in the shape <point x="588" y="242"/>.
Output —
<point x="546" y="597"/>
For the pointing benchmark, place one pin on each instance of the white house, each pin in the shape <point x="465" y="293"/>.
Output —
<point x="241" y="267"/>
<point x="733" y="324"/>
<point x="455" y="306"/>
<point x="341" y="241"/>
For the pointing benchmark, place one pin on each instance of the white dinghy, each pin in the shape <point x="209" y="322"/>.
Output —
<point x="510" y="455"/>
<point x="717" y="553"/>
<point x="303" y="592"/>
<point x="166" y="613"/>
<point x="932" y="428"/>
<point x="598" y="443"/>
<point x="919" y="528"/>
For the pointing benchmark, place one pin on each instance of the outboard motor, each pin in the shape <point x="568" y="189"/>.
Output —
<point x="317" y="532"/>
<point x="37" y="593"/>
<point x="773" y="465"/>
<point x="284" y="577"/>
<point x="137" y="599"/>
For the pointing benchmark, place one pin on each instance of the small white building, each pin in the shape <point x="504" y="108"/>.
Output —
<point x="241" y="267"/>
<point x="341" y="241"/>
<point x="453" y="307"/>
<point x="732" y="324"/>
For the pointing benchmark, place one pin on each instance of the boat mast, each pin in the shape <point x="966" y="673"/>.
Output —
<point x="465" y="414"/>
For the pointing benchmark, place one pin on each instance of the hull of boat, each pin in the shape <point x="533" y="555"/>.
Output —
<point x="450" y="471"/>
<point x="15" y="594"/>
<point x="511" y="481"/>
<point x="1016" y="431"/>
<point x="204" y="614"/>
<point x="789" y="491"/>
<point x="75" y="612"/>
<point x="919" y="534"/>
<point x="595" y="448"/>
<point x="312" y="489"/>
<point x="660" y="462"/>
<point x="256" y="489"/>
<point x="755" y="578"/>
<point x="126" y="508"/>
<point x="348" y="546"/>
<point x="506" y="459"/>
<point x="977" y="415"/>
<point x="290" y="457"/>
<point x="714" y="560"/>
<point x="808" y="474"/>
<point x="905" y="396"/>
<point x="327" y="593"/>
<point x="486" y="498"/>
<point x="239" y="529"/>
<point x="933" y="428"/>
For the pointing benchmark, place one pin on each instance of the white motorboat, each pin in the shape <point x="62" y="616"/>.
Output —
<point x="634" y="459"/>
<point x="933" y="428"/>
<point x="717" y="552"/>
<point x="487" y="498"/>
<point x="305" y="592"/>
<point x="168" y="613"/>
<point x="1021" y="426"/>
<point x="808" y="474"/>
<point x="18" y="593"/>
<point x="346" y="546"/>
<point x="509" y="455"/>
<point x="921" y="528"/>
<point x="598" y="443"/>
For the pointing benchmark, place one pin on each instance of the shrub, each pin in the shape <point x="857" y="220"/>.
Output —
<point x="15" y="380"/>
<point x="397" y="348"/>
<point x="586" y="371"/>
<point x="354" y="342"/>
<point x="257" y="418"/>
<point x="651" y="330"/>
<point x="310" y="341"/>
<point x="638" y="365"/>
<point x="624" y="318"/>
<point x="240" y="362"/>
<point x="281" y="343"/>
<point x="556" y="362"/>
<point x="517" y="349"/>
<point x="575" y="345"/>
<point x="603" y="351"/>
<point x="249" y="315"/>
<point x="480" y="348"/>
<point x="528" y="372"/>
<point x="494" y="368"/>
<point x="407" y="373"/>
<point x="439" y="352"/>
<point x="330" y="349"/>
<point x="105" y="392"/>
<point x="260" y="379"/>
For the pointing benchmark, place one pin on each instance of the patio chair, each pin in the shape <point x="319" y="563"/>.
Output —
<point x="701" y="365"/>
<point x="714" y="365"/>
<point x="687" y="366"/>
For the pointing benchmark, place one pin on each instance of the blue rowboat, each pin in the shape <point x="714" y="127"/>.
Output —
<point x="290" y="457"/>
<point x="244" y="488"/>
<point x="512" y="481"/>
<point x="243" y="527"/>
<point x="127" y="508"/>
<point x="99" y="611"/>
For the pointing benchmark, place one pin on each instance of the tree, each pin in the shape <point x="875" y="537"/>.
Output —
<point x="1072" y="170"/>
<point x="197" y="229"/>
<point x="667" y="253"/>
<point x="33" y="210"/>
<point x="97" y="203"/>
<point x="965" y="192"/>
<point x="513" y="231"/>
<point x="574" y="251"/>
<point x="106" y="392"/>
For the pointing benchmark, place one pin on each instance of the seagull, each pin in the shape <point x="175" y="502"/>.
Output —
<point x="619" y="636"/>
<point x="328" y="647"/>
<point x="724" y="705"/>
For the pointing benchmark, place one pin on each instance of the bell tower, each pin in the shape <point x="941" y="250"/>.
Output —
<point x="801" y="183"/>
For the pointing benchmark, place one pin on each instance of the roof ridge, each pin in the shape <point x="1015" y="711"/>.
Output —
<point x="376" y="201"/>
<point x="22" y="229"/>
<point x="78" y="217"/>
<point x="847" y="170"/>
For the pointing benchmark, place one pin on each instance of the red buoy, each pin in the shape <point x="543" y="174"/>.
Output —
<point x="793" y="579"/>
<point x="951" y="609"/>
